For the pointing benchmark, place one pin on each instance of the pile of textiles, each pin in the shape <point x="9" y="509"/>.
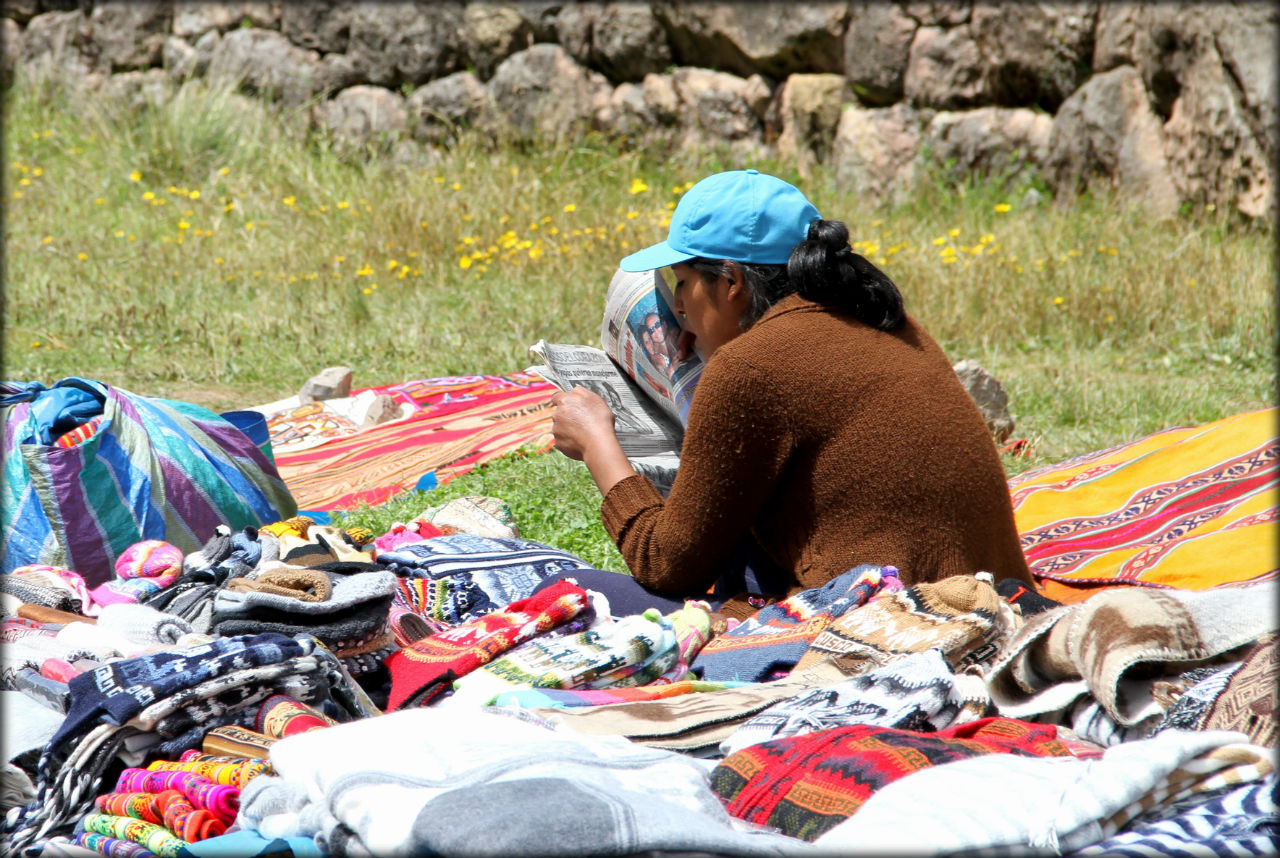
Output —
<point x="308" y="690"/>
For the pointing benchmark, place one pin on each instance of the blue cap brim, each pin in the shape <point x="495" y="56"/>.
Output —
<point x="651" y="258"/>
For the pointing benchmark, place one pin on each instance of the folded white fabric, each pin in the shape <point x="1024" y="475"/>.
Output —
<point x="395" y="784"/>
<point x="143" y="624"/>
<point x="1053" y="805"/>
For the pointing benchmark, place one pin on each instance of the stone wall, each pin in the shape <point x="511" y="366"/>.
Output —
<point x="1169" y="103"/>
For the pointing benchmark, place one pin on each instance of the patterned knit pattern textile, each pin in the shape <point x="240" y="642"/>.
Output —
<point x="772" y="641"/>
<point x="806" y="785"/>
<point x="112" y="847"/>
<point x="423" y="671"/>
<point x="962" y="616"/>
<point x="484" y="574"/>
<point x="629" y="651"/>
<point x="914" y="692"/>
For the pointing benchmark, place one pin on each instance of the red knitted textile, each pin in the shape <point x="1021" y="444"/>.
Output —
<point x="425" y="669"/>
<point x="806" y="785"/>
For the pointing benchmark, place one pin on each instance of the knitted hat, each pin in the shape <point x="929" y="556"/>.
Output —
<point x="281" y="716"/>
<point x="143" y="624"/>
<point x="217" y="549"/>
<point x="309" y="585"/>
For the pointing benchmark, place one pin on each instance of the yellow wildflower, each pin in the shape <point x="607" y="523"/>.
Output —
<point x="637" y="187"/>
<point x="1002" y="207"/>
<point x="135" y="176"/>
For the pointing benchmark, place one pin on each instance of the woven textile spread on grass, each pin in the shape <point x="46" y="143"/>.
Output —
<point x="453" y="425"/>
<point x="1191" y="508"/>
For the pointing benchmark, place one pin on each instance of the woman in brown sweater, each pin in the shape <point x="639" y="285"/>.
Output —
<point x="828" y="429"/>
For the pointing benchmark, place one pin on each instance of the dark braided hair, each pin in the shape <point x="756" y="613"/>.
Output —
<point x="822" y="268"/>
<point x="825" y="269"/>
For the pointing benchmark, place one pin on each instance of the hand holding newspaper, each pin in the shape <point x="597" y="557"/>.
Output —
<point x="637" y="372"/>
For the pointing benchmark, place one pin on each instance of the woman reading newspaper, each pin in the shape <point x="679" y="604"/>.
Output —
<point x="828" y="429"/>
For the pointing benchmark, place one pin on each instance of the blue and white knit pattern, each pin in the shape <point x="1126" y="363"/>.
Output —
<point x="1243" y="820"/>
<point x="494" y="572"/>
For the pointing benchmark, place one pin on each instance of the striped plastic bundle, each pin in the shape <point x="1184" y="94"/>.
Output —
<point x="112" y="847"/>
<point x="219" y="799"/>
<point x="169" y="808"/>
<point x="236" y="773"/>
<point x="163" y="842"/>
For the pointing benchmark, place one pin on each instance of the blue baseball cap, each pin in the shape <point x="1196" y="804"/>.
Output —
<point x="739" y="215"/>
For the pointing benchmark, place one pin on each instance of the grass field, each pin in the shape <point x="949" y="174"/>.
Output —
<point x="215" y="251"/>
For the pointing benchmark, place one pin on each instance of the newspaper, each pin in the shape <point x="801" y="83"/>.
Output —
<point x="636" y="372"/>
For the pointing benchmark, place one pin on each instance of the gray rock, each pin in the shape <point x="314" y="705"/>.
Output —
<point x="266" y="63"/>
<point x="541" y="93"/>
<point x="131" y="35"/>
<point x="205" y="46"/>
<point x="439" y="111"/>
<point x="990" y="397"/>
<point x="989" y="141"/>
<point x="1037" y="53"/>
<point x="627" y="114"/>
<point x="803" y="117"/>
<point x="20" y="11"/>
<point x="770" y="38"/>
<point x="492" y="32"/>
<point x="138" y="89"/>
<point x="320" y="25"/>
<point x="178" y="58"/>
<point x="382" y="409"/>
<point x="194" y="18"/>
<point x="336" y="72"/>
<point x="945" y="70"/>
<point x="1106" y="132"/>
<point x="10" y="49"/>
<point x="718" y="105"/>
<point x="406" y="42"/>
<point x="331" y="383"/>
<point x="59" y="44"/>
<point x="363" y="116"/>
<point x="540" y="16"/>
<point x="942" y="14"/>
<point x="660" y="98"/>
<point x="624" y="41"/>
<point x="875" y="150"/>
<point x="877" y="45"/>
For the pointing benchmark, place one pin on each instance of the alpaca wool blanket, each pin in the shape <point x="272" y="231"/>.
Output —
<point x="962" y="616"/>
<point x="1162" y="511"/>
<point x="1092" y="646"/>
<point x="806" y="785"/>
<point x="403" y="784"/>
<point x="1016" y="803"/>
<point x="914" y="692"/>
<point x="427" y="668"/>
<point x="1241" y="696"/>
<point x="455" y="424"/>
<point x="772" y="640"/>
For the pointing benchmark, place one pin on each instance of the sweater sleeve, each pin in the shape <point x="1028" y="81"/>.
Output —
<point x="736" y="445"/>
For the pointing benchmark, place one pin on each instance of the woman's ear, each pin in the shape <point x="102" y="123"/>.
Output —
<point x="736" y="287"/>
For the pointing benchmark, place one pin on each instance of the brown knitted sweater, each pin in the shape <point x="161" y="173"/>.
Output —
<point x="835" y="444"/>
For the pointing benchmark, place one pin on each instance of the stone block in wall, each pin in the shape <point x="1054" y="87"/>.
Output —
<point x="540" y="16"/>
<point x="492" y="32"/>
<point x="660" y="98"/>
<point x="193" y="18"/>
<point x="875" y="150"/>
<point x="10" y="49"/>
<point x="718" y="104"/>
<point x="877" y="45"/>
<point x="627" y="114"/>
<point x="406" y="42"/>
<point x="1107" y="133"/>
<point x="319" y="25"/>
<point x="541" y="92"/>
<point x="362" y="116"/>
<point x="1036" y="53"/>
<point x="989" y="141"/>
<point x="947" y="13"/>
<point x="131" y="35"/>
<point x="945" y="70"/>
<point x="336" y="72"/>
<point x="178" y="58"/>
<point x="623" y="41"/>
<point x="59" y="44"/>
<point x="264" y="62"/>
<point x="137" y="89"/>
<point x="802" y="118"/>
<point x="443" y="108"/>
<point x="770" y="38"/>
